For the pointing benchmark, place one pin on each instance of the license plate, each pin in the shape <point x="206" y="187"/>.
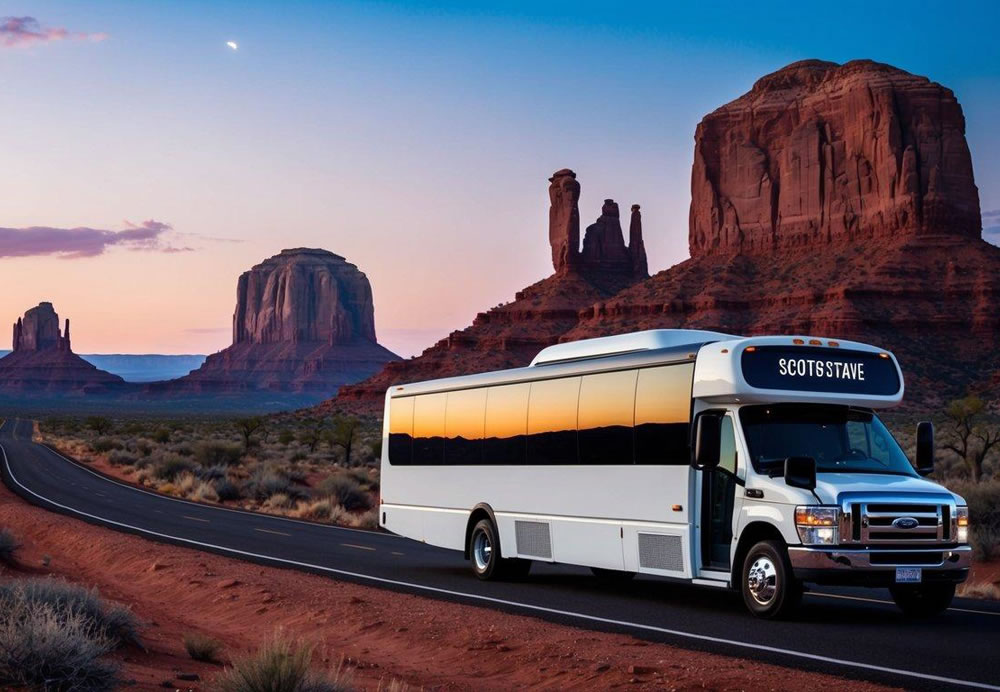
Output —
<point x="908" y="575"/>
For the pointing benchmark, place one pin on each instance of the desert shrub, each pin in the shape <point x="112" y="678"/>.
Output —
<point x="161" y="435"/>
<point x="298" y="456"/>
<point x="278" y="501"/>
<point x="183" y="449"/>
<point x="346" y="492"/>
<point x="984" y="515"/>
<point x="185" y="483"/>
<point x="983" y="590"/>
<point x="119" y="457"/>
<point x="286" y="437"/>
<point x="279" y="665"/>
<point x="99" y="424"/>
<point x="217" y="453"/>
<point x="204" y="492"/>
<point x="110" y="620"/>
<point x="105" y="444"/>
<point x="8" y="546"/>
<point x="315" y="511"/>
<point x="202" y="648"/>
<point x="45" y="648"/>
<point x="367" y="520"/>
<point x="295" y="476"/>
<point x="267" y="482"/>
<point x="226" y="490"/>
<point x="212" y="473"/>
<point x="170" y="466"/>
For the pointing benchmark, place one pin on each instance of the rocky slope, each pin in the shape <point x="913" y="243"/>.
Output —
<point x="834" y="200"/>
<point x="510" y="335"/>
<point x="42" y="362"/>
<point x="304" y="322"/>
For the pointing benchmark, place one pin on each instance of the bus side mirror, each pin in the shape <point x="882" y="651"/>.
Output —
<point x="707" y="440"/>
<point x="800" y="472"/>
<point x="925" y="448"/>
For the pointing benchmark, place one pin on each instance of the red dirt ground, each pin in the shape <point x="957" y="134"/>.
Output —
<point x="383" y="635"/>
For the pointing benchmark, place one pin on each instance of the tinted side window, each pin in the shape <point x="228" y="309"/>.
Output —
<point x="401" y="431"/>
<point x="607" y="405"/>
<point x="552" y="421"/>
<point x="463" y="427"/>
<point x="428" y="429"/>
<point x="727" y="446"/>
<point x="506" y="424"/>
<point x="663" y="414"/>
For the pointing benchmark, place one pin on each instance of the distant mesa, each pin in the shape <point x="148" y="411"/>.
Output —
<point x="42" y="360"/>
<point x="304" y="322"/>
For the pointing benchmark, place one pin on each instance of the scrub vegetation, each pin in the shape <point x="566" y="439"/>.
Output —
<point x="281" y="665"/>
<point x="319" y="469"/>
<point x="8" y="547"/>
<point x="967" y="436"/>
<point x="55" y="636"/>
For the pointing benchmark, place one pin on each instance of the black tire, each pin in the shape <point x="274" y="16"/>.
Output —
<point x="612" y="576"/>
<point x="484" y="553"/>
<point x="767" y="583"/>
<point x="922" y="600"/>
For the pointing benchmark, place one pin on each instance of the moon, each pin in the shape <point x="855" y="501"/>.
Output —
<point x="233" y="45"/>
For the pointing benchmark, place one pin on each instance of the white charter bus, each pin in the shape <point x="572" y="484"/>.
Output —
<point x="757" y="464"/>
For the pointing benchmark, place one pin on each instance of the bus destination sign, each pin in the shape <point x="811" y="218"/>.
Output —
<point x="819" y="369"/>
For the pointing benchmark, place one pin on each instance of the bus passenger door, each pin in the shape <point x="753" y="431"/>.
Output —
<point x="718" y="500"/>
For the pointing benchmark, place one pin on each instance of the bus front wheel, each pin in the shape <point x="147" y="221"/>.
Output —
<point x="769" y="588"/>
<point x="484" y="550"/>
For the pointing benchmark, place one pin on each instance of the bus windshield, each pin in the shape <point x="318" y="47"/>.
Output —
<point x="841" y="439"/>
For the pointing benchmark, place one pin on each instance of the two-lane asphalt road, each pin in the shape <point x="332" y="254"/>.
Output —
<point x="855" y="633"/>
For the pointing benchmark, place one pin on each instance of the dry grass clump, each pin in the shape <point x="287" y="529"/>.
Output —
<point x="202" y="648"/>
<point x="8" y="547"/>
<point x="281" y="665"/>
<point x="53" y="636"/>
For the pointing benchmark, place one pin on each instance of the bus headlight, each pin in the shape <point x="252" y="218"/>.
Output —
<point x="817" y="525"/>
<point x="962" y="524"/>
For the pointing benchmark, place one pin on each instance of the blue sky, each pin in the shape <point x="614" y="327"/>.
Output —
<point x="414" y="139"/>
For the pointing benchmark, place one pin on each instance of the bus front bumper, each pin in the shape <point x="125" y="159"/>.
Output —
<point x="877" y="566"/>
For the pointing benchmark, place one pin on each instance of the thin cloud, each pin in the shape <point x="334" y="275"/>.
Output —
<point x="74" y="243"/>
<point x="26" y="31"/>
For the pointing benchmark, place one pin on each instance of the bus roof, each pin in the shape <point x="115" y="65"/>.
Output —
<point x="729" y="369"/>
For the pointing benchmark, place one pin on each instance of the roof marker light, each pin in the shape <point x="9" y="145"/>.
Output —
<point x="798" y="342"/>
<point x="815" y="342"/>
<point x="725" y="350"/>
<point x="883" y="355"/>
<point x="835" y="344"/>
<point x="750" y="349"/>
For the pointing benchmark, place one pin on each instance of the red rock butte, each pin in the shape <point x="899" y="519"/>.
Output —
<point x="819" y="154"/>
<point x="304" y="322"/>
<point x="43" y="361"/>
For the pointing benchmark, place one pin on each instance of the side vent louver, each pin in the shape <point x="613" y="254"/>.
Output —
<point x="659" y="551"/>
<point x="533" y="539"/>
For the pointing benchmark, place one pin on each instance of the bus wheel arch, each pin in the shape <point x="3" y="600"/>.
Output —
<point x="752" y="533"/>
<point x="479" y="512"/>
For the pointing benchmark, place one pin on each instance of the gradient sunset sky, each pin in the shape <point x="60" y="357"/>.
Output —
<point x="415" y="139"/>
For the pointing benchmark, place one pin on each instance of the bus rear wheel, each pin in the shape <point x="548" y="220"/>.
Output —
<point x="769" y="588"/>
<point x="484" y="550"/>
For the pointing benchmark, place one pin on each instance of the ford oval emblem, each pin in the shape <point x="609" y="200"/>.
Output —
<point x="906" y="523"/>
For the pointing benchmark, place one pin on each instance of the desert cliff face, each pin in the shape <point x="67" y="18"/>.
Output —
<point x="830" y="200"/>
<point x="820" y="155"/>
<point x="304" y="322"/>
<point x="42" y="361"/>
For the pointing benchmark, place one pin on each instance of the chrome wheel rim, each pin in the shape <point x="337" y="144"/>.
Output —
<point x="762" y="580"/>
<point x="482" y="550"/>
